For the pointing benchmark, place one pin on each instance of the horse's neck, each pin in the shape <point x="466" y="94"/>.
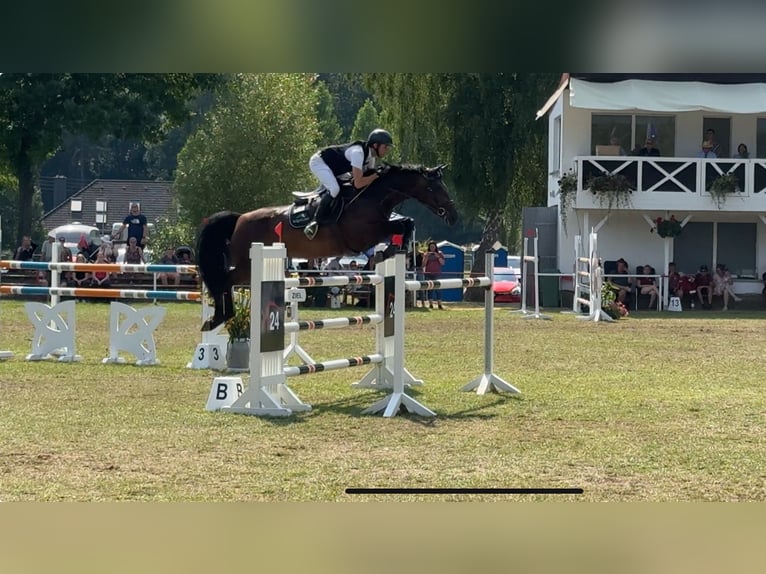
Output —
<point x="387" y="193"/>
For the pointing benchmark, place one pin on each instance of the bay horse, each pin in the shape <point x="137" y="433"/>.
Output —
<point x="223" y="248"/>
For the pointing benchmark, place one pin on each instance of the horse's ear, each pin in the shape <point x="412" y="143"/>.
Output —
<point x="438" y="170"/>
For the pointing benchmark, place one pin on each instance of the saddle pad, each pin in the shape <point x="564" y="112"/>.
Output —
<point x="300" y="215"/>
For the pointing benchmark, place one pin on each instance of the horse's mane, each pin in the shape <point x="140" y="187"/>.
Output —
<point x="406" y="167"/>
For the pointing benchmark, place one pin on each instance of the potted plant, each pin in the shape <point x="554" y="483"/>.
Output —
<point x="567" y="192"/>
<point x="722" y="186"/>
<point x="238" y="327"/>
<point x="612" y="189"/>
<point x="667" y="227"/>
<point x="609" y="303"/>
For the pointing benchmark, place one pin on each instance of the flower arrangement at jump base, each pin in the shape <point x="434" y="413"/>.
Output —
<point x="667" y="227"/>
<point x="609" y="303"/>
<point x="238" y="327"/>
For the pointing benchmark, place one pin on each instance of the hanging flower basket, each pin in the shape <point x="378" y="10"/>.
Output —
<point x="567" y="193"/>
<point x="722" y="186"/>
<point x="668" y="227"/>
<point x="611" y="189"/>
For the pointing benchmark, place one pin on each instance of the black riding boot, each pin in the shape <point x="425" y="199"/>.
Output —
<point x="325" y="201"/>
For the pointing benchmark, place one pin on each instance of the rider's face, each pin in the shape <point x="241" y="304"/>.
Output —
<point x="382" y="149"/>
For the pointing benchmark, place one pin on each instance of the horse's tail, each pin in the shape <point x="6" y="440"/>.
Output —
<point x="212" y="257"/>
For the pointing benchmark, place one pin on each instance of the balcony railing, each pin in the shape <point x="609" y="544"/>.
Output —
<point x="676" y="182"/>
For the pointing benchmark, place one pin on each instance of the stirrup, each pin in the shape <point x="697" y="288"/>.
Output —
<point x="311" y="229"/>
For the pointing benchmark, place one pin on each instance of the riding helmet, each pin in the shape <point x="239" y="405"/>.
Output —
<point x="380" y="137"/>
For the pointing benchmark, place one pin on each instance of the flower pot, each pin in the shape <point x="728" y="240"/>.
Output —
<point x="238" y="354"/>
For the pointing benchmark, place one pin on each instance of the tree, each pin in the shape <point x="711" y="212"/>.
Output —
<point x="484" y="124"/>
<point x="349" y="94"/>
<point x="330" y="132"/>
<point x="366" y="121"/>
<point x="36" y="110"/>
<point x="252" y="149"/>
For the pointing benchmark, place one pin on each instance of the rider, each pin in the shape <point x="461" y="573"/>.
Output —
<point x="346" y="162"/>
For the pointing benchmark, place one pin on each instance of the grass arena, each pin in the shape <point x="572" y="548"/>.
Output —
<point x="652" y="407"/>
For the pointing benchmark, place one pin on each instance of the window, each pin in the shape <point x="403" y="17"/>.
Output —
<point x="101" y="218"/>
<point x="734" y="247"/>
<point x="760" y="138"/>
<point x="76" y="205"/>
<point x="100" y="206"/>
<point x="660" y="128"/>
<point x="722" y="135"/>
<point x="630" y="132"/>
<point x="605" y="128"/>
<point x="556" y="155"/>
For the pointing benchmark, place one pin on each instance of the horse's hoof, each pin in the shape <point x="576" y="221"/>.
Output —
<point x="206" y="326"/>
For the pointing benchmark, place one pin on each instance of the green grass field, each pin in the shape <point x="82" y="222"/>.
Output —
<point x="653" y="407"/>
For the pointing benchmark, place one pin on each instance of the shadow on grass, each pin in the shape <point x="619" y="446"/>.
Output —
<point x="704" y="314"/>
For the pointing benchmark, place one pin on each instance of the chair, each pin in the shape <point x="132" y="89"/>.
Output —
<point x="641" y="297"/>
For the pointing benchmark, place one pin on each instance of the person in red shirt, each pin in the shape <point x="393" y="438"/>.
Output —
<point x="433" y="260"/>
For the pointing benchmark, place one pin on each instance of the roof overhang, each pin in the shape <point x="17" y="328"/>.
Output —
<point x="720" y="93"/>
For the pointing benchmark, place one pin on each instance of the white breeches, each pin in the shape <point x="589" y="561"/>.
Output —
<point x="324" y="174"/>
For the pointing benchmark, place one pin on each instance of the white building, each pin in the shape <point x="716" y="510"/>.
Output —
<point x="595" y="118"/>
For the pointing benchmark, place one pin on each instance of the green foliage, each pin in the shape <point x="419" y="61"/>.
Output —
<point x="330" y="131"/>
<point x="722" y="186"/>
<point x="567" y="193"/>
<point x="611" y="189"/>
<point x="170" y="234"/>
<point x="349" y="94"/>
<point x="366" y="121"/>
<point x="252" y="149"/>
<point x="238" y="326"/>
<point x="668" y="227"/>
<point x="36" y="111"/>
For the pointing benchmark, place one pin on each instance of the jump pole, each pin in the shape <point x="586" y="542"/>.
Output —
<point x="489" y="381"/>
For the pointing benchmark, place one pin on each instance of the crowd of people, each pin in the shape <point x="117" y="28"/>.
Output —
<point x="696" y="288"/>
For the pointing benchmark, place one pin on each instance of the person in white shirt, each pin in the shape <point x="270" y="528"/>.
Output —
<point x="346" y="162"/>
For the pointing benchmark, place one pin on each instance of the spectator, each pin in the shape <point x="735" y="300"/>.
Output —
<point x="134" y="255"/>
<point x="101" y="278"/>
<point x="65" y="256"/>
<point x="433" y="260"/>
<point x="707" y="150"/>
<point x="722" y="285"/>
<point x="47" y="249"/>
<point x="26" y="250"/>
<point x="648" y="285"/>
<point x="106" y="249"/>
<point x="715" y="147"/>
<point x="135" y="221"/>
<point x="742" y="152"/>
<point x="80" y="278"/>
<point x="169" y="258"/>
<point x="675" y="288"/>
<point x="704" y="284"/>
<point x="624" y="285"/>
<point x="649" y="149"/>
<point x="416" y="266"/>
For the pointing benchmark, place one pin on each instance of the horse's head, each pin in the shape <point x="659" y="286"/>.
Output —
<point x="426" y="186"/>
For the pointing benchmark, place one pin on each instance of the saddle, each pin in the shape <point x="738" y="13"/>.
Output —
<point x="304" y="206"/>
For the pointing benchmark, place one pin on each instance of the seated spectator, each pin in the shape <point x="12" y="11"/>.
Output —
<point x="742" y="152"/>
<point x="722" y="285"/>
<point x="707" y="150"/>
<point x="101" y="278"/>
<point x="649" y="149"/>
<point x="675" y="288"/>
<point x="26" y="250"/>
<point x="615" y="141"/>
<point x="134" y="255"/>
<point x="703" y="282"/>
<point x="169" y="258"/>
<point x="80" y="278"/>
<point x="623" y="285"/>
<point x="648" y="285"/>
<point x="763" y="278"/>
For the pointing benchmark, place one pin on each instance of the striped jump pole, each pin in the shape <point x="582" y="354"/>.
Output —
<point x="91" y="267"/>
<point x="589" y="269"/>
<point x="99" y="293"/>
